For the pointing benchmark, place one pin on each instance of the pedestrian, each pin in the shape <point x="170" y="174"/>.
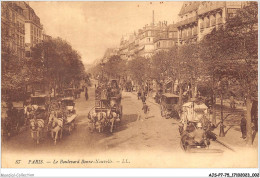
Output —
<point x="243" y="126"/>
<point x="86" y="93"/>
<point x="146" y="110"/>
<point x="143" y="98"/>
<point x="232" y="102"/>
<point x="139" y="93"/>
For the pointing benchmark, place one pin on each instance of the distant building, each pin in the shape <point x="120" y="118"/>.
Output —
<point x="13" y="28"/>
<point x="46" y="37"/>
<point x="166" y="38"/>
<point x="124" y="46"/>
<point x="109" y="53"/>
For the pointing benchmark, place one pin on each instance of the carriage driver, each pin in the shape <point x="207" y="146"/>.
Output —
<point x="198" y="134"/>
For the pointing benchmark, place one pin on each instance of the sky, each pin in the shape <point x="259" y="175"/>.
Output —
<point x="92" y="27"/>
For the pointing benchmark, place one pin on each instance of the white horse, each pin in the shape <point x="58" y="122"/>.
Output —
<point x="36" y="126"/>
<point x="113" y="119"/>
<point x="56" y="126"/>
<point x="100" y="124"/>
<point x="92" y="116"/>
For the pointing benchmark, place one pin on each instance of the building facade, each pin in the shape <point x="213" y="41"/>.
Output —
<point x="166" y="37"/>
<point x="33" y="28"/>
<point x="214" y="14"/>
<point x="13" y="28"/>
<point x="188" y="23"/>
<point x="46" y="37"/>
<point x="197" y="19"/>
<point x="148" y="41"/>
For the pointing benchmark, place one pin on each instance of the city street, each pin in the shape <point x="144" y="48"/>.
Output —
<point x="134" y="132"/>
<point x="134" y="136"/>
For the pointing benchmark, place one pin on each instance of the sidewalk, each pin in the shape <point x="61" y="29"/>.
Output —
<point x="232" y="130"/>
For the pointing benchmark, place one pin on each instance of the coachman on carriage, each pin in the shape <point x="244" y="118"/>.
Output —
<point x="107" y="111"/>
<point x="195" y="128"/>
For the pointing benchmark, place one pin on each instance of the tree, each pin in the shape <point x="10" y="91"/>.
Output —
<point x="57" y="63"/>
<point x="138" y="69"/>
<point x="115" y="67"/>
<point x="230" y="52"/>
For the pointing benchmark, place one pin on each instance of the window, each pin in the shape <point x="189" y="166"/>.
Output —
<point x="175" y="34"/>
<point x="189" y="32"/>
<point x="194" y="30"/>
<point x="164" y="44"/>
<point x="170" y="35"/>
<point x="170" y="43"/>
<point x="206" y="22"/>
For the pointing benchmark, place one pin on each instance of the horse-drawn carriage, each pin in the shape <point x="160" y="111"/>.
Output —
<point x="169" y="105"/>
<point x="107" y="111"/>
<point x="69" y="92"/>
<point x="12" y="117"/>
<point x="40" y="102"/>
<point x="68" y="105"/>
<point x="57" y="117"/>
<point x="196" y="127"/>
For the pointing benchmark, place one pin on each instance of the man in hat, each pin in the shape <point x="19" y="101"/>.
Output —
<point x="86" y="93"/>
<point x="198" y="134"/>
<point x="243" y="126"/>
<point x="146" y="109"/>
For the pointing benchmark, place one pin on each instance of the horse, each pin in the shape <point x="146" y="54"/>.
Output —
<point x="113" y="119"/>
<point x="100" y="124"/>
<point x="36" y="126"/>
<point x="56" y="126"/>
<point x="92" y="116"/>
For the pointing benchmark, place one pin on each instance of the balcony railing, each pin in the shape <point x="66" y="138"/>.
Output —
<point x="211" y="6"/>
<point x="187" y="21"/>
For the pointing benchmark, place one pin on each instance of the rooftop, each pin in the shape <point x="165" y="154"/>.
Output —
<point x="189" y="7"/>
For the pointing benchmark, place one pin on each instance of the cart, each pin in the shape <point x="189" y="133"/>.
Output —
<point x="169" y="106"/>
<point x="68" y="106"/>
<point x="195" y="129"/>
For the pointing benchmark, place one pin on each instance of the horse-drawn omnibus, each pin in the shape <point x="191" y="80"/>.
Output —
<point x="107" y="111"/>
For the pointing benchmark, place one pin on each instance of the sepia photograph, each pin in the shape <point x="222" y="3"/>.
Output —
<point x="129" y="84"/>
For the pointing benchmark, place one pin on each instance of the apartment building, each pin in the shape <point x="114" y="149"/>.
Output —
<point x="12" y="28"/>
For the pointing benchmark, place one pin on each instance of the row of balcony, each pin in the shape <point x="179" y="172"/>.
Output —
<point x="187" y="21"/>
<point x="211" y="23"/>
